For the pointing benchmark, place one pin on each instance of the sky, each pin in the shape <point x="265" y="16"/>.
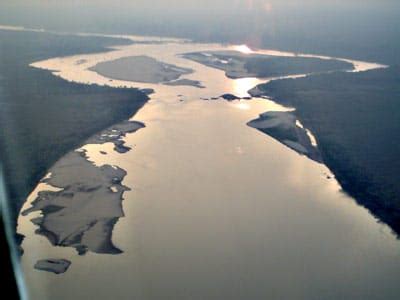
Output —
<point x="198" y="6"/>
<point x="323" y="25"/>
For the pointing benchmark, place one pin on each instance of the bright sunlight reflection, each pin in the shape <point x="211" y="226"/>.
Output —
<point x="242" y="105"/>
<point x="243" y="49"/>
<point x="243" y="85"/>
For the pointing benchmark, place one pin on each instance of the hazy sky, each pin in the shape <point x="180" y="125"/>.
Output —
<point x="197" y="5"/>
<point x="62" y="9"/>
<point x="297" y="24"/>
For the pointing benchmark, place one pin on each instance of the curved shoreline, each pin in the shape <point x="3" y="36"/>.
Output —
<point x="82" y="202"/>
<point x="29" y="146"/>
<point x="363" y="160"/>
<point x="85" y="64"/>
<point x="216" y="202"/>
<point x="74" y="238"/>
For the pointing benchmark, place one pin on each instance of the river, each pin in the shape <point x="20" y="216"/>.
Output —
<point x="217" y="209"/>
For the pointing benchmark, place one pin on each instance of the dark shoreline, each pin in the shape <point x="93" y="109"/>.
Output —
<point x="238" y="65"/>
<point x="355" y="119"/>
<point x="44" y="117"/>
<point x="68" y="217"/>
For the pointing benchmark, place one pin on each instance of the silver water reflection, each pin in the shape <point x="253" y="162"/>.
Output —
<point x="217" y="209"/>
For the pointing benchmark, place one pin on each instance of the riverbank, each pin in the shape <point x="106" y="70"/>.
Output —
<point x="44" y="117"/>
<point x="355" y="119"/>
<point x="83" y="201"/>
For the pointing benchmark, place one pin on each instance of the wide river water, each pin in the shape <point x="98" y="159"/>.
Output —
<point x="217" y="210"/>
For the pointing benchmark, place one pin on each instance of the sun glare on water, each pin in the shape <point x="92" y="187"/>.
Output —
<point x="241" y="105"/>
<point x="241" y="86"/>
<point x="243" y="49"/>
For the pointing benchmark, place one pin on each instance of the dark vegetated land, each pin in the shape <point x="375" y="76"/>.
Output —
<point x="282" y="66"/>
<point x="356" y="120"/>
<point x="260" y="65"/>
<point x="42" y="117"/>
<point x="364" y="30"/>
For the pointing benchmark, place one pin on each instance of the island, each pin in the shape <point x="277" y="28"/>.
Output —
<point x="83" y="211"/>
<point x="144" y="69"/>
<point x="242" y="65"/>
<point x="56" y="266"/>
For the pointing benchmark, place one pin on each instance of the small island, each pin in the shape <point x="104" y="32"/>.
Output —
<point x="144" y="69"/>
<point x="241" y="65"/>
<point x="83" y="212"/>
<point x="56" y="266"/>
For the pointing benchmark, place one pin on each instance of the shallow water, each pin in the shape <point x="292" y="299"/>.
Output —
<point x="217" y="209"/>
